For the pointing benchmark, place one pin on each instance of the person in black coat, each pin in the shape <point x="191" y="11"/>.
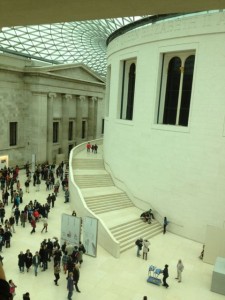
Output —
<point x="165" y="223"/>
<point x="17" y="215"/>
<point x="165" y="276"/>
<point x="26" y="296"/>
<point x="21" y="261"/>
<point x="28" y="259"/>
<point x="76" y="276"/>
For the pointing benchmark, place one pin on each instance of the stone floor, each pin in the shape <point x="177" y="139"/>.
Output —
<point x="106" y="277"/>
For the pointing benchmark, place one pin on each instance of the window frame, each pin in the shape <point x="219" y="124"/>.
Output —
<point x="125" y="80"/>
<point x="55" y="132"/>
<point x="13" y="134"/>
<point x="166" y="58"/>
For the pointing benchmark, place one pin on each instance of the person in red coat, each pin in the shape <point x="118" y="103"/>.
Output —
<point x="33" y="225"/>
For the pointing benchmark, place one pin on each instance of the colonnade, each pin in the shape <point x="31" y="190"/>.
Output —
<point x="85" y="117"/>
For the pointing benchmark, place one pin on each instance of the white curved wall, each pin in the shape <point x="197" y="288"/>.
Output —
<point x="179" y="170"/>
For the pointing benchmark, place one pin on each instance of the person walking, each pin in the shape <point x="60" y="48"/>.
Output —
<point x="180" y="268"/>
<point x="45" y="225"/>
<point x="36" y="262"/>
<point x="70" y="286"/>
<point x="33" y="225"/>
<point x="165" y="276"/>
<point x="57" y="270"/>
<point x="76" y="276"/>
<point x="146" y="244"/>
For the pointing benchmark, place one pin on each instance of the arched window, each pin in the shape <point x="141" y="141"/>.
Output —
<point x="176" y="88"/>
<point x="172" y="91"/>
<point x="127" y="89"/>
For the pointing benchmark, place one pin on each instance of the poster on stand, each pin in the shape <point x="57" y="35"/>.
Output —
<point x="70" y="229"/>
<point x="90" y="235"/>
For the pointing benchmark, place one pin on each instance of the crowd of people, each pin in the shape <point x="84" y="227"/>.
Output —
<point x="33" y="212"/>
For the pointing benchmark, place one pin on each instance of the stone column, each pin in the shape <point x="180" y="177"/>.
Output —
<point x="51" y="97"/>
<point x="91" y="118"/>
<point x="37" y="141"/>
<point x="65" y="123"/>
<point x="79" y="116"/>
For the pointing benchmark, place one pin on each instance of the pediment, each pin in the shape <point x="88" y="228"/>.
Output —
<point x="75" y="71"/>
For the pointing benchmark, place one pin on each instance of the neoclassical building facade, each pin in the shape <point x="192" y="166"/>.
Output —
<point x="46" y="110"/>
<point x="165" y="108"/>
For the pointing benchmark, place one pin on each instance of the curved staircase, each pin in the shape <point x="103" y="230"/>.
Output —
<point x="111" y="204"/>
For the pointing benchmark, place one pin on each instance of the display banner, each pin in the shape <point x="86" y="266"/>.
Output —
<point x="70" y="229"/>
<point x="90" y="235"/>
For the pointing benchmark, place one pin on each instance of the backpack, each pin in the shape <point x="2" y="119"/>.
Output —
<point x="137" y="242"/>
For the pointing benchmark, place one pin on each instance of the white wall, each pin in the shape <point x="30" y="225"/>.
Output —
<point x="180" y="171"/>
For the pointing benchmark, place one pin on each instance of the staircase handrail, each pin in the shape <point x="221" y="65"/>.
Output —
<point x="77" y="203"/>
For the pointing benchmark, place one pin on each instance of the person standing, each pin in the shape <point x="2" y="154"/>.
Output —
<point x="36" y="262"/>
<point x="28" y="259"/>
<point x="165" y="223"/>
<point x="165" y="276"/>
<point x="65" y="261"/>
<point x="27" y="185"/>
<point x="53" y="198"/>
<point x="146" y="244"/>
<point x="180" y="268"/>
<point x="67" y="195"/>
<point x="57" y="270"/>
<point x="17" y="215"/>
<point x="21" y="261"/>
<point x="12" y="222"/>
<point x="70" y="286"/>
<point x="139" y="244"/>
<point x="26" y="296"/>
<point x="12" y="288"/>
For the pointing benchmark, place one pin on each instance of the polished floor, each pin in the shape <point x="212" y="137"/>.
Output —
<point x="106" y="277"/>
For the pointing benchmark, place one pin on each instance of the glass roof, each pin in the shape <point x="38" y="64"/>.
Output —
<point x="73" y="42"/>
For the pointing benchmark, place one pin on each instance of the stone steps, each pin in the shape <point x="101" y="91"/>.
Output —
<point x="88" y="164"/>
<point x="127" y="233"/>
<point x="91" y="176"/>
<point x="105" y="203"/>
<point x="90" y="181"/>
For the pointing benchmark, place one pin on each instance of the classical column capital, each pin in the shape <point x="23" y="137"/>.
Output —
<point x="94" y="99"/>
<point x="52" y="95"/>
<point x="81" y="98"/>
<point x="67" y="96"/>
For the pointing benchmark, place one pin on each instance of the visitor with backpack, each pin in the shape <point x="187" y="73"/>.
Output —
<point x="139" y="244"/>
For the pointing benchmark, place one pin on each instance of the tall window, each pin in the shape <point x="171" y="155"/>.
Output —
<point x="103" y="125"/>
<point x="128" y="89"/>
<point x="176" y="88"/>
<point x="70" y="132"/>
<point x="55" y="132"/>
<point x="83" y="133"/>
<point x="13" y="133"/>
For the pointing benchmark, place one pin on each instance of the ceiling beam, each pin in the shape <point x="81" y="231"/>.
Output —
<point x="34" y="12"/>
